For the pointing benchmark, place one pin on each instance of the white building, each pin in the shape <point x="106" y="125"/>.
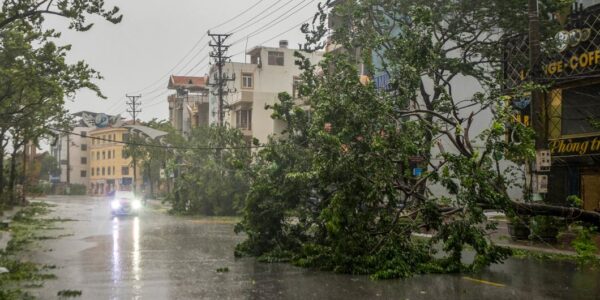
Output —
<point x="72" y="154"/>
<point x="257" y="84"/>
<point x="188" y="107"/>
<point x="72" y="151"/>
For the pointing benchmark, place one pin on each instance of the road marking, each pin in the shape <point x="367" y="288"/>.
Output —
<point x="484" y="282"/>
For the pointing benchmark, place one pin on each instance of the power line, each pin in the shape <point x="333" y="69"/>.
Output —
<point x="275" y="21"/>
<point x="196" y="45"/>
<point x="174" y="67"/>
<point x="238" y="15"/>
<point x="133" y="104"/>
<point x="199" y="63"/>
<point x="154" y="145"/>
<point x="278" y="35"/>
<point x="219" y="54"/>
<point x="257" y="18"/>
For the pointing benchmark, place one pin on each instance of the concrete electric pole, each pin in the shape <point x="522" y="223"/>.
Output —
<point x="134" y="103"/>
<point x="537" y="97"/>
<point x="220" y="79"/>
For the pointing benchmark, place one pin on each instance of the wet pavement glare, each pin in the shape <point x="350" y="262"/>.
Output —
<point x="158" y="256"/>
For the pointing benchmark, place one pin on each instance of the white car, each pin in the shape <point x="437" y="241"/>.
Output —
<point x="125" y="203"/>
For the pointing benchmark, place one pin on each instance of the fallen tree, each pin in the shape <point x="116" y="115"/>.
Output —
<point x="372" y="163"/>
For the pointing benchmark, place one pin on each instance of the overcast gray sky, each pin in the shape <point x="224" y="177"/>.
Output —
<point x="137" y="55"/>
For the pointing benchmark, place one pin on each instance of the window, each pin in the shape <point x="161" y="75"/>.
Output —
<point x="103" y="155"/>
<point x="97" y="171"/>
<point x="93" y="171"/>
<point x="275" y="58"/>
<point x="84" y="160"/>
<point x="125" y="137"/>
<point x="109" y="154"/>
<point x="98" y="155"/>
<point x="83" y="174"/>
<point x="83" y="134"/>
<point x="103" y="171"/>
<point x="243" y="119"/>
<point x="114" y="156"/>
<point x="108" y="170"/>
<point x="83" y="147"/>
<point x="103" y="139"/>
<point x="247" y="80"/>
<point x="124" y="154"/>
<point x="296" y="87"/>
<point x="124" y="170"/>
<point x="114" y="137"/>
<point x="114" y="170"/>
<point x="580" y="110"/>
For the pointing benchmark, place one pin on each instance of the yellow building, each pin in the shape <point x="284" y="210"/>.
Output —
<point x="110" y="167"/>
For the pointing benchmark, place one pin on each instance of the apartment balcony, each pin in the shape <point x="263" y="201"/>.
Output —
<point x="241" y="98"/>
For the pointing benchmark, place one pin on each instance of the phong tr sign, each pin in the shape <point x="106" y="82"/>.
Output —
<point x="578" y="146"/>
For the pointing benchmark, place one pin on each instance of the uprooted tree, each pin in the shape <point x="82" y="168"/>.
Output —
<point x="339" y="193"/>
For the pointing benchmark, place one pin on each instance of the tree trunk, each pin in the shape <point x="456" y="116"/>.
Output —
<point x="539" y="209"/>
<point x="151" y="180"/>
<point x="2" y="197"/>
<point x="24" y="175"/>
<point x="12" y="177"/>
<point x="569" y="213"/>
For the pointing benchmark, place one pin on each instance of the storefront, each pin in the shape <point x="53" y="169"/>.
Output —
<point x="572" y="105"/>
<point x="574" y="142"/>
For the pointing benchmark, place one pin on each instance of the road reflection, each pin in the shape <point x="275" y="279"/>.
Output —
<point x="136" y="254"/>
<point x="120" y="263"/>
<point x="116" y="258"/>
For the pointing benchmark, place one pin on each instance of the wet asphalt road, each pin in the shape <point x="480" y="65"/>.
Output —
<point x="157" y="256"/>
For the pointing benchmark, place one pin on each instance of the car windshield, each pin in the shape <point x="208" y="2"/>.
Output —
<point x="124" y="195"/>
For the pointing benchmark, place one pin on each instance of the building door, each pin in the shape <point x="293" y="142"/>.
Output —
<point x="590" y="188"/>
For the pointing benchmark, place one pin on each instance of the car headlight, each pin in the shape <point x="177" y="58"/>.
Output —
<point x="136" y="204"/>
<point x="115" y="204"/>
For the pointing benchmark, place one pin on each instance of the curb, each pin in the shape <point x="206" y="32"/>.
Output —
<point x="6" y="236"/>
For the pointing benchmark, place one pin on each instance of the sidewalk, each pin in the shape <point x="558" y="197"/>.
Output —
<point x="501" y="237"/>
<point x="5" y="220"/>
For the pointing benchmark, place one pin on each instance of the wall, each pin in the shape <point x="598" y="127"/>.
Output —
<point x="269" y="81"/>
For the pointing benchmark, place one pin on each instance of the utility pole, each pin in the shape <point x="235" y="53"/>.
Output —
<point x="218" y="53"/>
<point x="538" y="117"/>
<point x="68" y="163"/>
<point x="537" y="97"/>
<point x="134" y="103"/>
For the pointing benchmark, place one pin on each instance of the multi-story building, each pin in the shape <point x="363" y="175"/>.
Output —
<point x="571" y="117"/>
<point x="71" y="152"/>
<point x="188" y="107"/>
<point x="110" y="167"/>
<point x="257" y="84"/>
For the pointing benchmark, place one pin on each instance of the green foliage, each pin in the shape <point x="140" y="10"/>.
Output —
<point x="77" y="12"/>
<point x="211" y="182"/>
<point x="69" y="293"/>
<point x="339" y="194"/>
<point x="35" y="77"/>
<point x="23" y="228"/>
<point x="586" y="247"/>
<point x="40" y="189"/>
<point x="575" y="201"/>
<point x="78" y="189"/>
